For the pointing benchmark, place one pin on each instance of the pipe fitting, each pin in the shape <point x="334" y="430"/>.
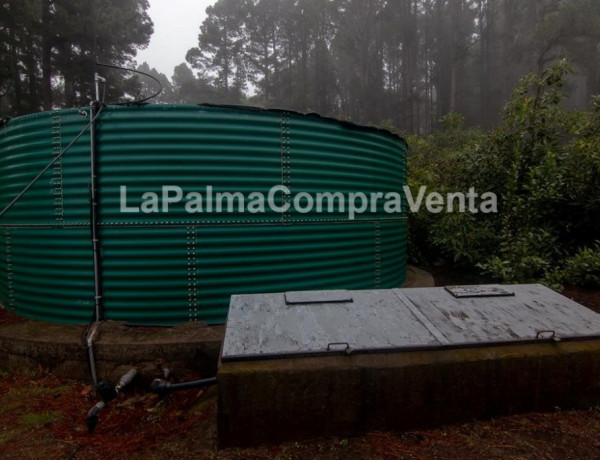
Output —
<point x="92" y="416"/>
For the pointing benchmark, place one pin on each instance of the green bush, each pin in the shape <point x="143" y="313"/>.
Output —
<point x="543" y="163"/>
<point x="582" y="269"/>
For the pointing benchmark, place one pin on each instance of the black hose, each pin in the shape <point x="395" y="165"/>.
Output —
<point x="162" y="386"/>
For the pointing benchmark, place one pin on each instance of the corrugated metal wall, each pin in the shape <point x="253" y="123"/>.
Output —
<point x="165" y="268"/>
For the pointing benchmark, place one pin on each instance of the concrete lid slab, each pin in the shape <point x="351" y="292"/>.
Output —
<point x="264" y="324"/>
<point x="296" y="324"/>
<point x="534" y="311"/>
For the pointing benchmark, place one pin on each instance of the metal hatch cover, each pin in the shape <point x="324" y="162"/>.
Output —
<point x="479" y="290"/>
<point x="263" y="326"/>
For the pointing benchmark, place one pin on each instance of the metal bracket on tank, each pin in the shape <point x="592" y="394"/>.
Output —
<point x="57" y="173"/>
<point x="286" y="168"/>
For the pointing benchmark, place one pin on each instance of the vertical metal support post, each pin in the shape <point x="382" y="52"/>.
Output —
<point x="94" y="210"/>
<point x="95" y="232"/>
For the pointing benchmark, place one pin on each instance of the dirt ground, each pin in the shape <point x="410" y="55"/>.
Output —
<point x="42" y="416"/>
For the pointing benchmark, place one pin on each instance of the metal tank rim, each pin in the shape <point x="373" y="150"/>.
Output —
<point x="250" y="108"/>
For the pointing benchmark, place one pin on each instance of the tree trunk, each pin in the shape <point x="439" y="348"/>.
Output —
<point x="69" y="77"/>
<point x="14" y="60"/>
<point x="46" y="57"/>
<point x="32" y="83"/>
<point x="453" y="85"/>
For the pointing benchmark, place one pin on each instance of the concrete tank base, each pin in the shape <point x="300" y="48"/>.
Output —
<point x="271" y="401"/>
<point x="337" y="363"/>
<point x="30" y="346"/>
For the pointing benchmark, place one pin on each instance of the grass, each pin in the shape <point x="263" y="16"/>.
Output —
<point x="7" y="435"/>
<point x="40" y="419"/>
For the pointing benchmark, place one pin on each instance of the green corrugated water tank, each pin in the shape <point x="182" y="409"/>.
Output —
<point x="163" y="267"/>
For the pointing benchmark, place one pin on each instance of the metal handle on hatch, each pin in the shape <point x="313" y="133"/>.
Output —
<point x="346" y="349"/>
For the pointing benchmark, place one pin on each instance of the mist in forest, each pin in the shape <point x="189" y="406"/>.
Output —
<point x="402" y="64"/>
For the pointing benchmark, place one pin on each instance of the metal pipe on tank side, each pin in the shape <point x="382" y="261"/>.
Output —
<point x="95" y="108"/>
<point x="94" y="227"/>
<point x="89" y="344"/>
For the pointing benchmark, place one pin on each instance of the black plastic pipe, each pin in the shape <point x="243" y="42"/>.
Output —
<point x="162" y="386"/>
